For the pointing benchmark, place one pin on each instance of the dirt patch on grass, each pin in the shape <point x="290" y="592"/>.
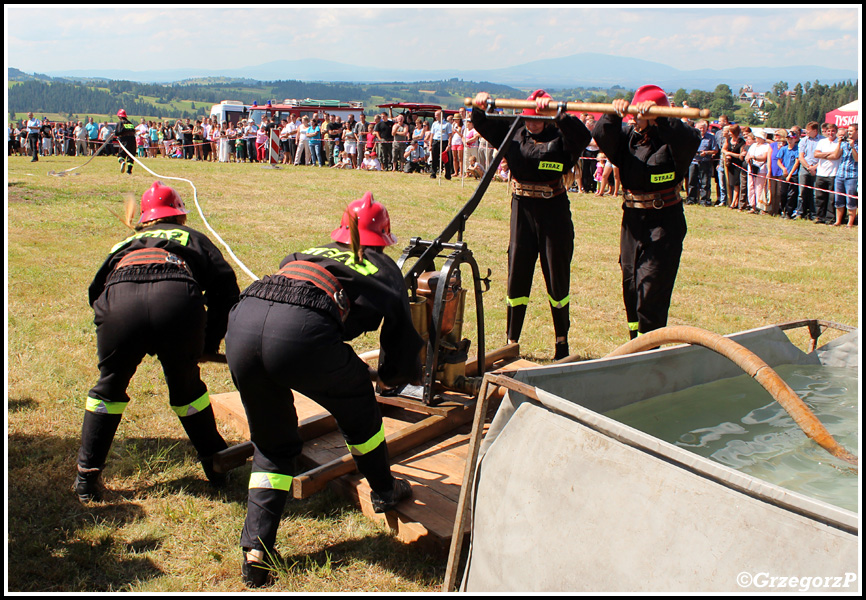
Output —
<point x="18" y="193"/>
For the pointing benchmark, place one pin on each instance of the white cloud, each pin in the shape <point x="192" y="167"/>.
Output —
<point x="846" y="43"/>
<point x="485" y="36"/>
<point x="830" y="19"/>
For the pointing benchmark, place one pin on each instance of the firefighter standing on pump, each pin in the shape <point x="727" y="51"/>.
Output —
<point x="149" y="297"/>
<point x="125" y="132"/>
<point x="653" y="159"/>
<point x="539" y="156"/>
<point x="289" y="332"/>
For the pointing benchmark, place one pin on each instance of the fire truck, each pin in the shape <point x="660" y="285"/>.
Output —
<point x="289" y="108"/>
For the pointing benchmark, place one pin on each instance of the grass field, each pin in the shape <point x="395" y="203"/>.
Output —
<point x="162" y="529"/>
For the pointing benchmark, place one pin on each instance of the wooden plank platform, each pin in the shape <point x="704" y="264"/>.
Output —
<point x="434" y="469"/>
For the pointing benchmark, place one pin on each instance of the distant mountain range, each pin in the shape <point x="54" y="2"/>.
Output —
<point x="579" y="70"/>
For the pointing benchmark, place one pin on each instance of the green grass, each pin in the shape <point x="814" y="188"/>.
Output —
<point x="162" y="529"/>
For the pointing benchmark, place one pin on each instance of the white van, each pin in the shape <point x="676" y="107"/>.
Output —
<point x="229" y="111"/>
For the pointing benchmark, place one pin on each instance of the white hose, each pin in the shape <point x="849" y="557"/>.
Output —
<point x="238" y="262"/>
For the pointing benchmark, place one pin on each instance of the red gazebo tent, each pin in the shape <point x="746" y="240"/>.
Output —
<point x="844" y="115"/>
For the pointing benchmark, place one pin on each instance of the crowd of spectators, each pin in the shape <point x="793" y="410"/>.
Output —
<point x="793" y="173"/>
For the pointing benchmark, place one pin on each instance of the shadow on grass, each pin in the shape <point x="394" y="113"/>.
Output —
<point x="57" y="544"/>
<point x="16" y="405"/>
<point x="414" y="562"/>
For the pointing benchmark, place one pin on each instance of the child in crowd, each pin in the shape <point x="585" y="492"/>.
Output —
<point x="342" y="161"/>
<point x="502" y="172"/>
<point x="601" y="161"/>
<point x="371" y="162"/>
<point x="473" y="169"/>
<point x="608" y="171"/>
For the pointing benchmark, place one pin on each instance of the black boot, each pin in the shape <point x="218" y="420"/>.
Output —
<point x="217" y="480"/>
<point x="202" y="432"/>
<point x="561" y="350"/>
<point x="258" y="573"/>
<point x="88" y="486"/>
<point x="387" y="501"/>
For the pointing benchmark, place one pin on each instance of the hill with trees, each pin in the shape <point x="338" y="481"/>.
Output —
<point x="809" y="102"/>
<point x="192" y="98"/>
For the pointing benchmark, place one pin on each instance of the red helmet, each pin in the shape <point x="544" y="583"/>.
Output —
<point x="374" y="224"/>
<point x="651" y="92"/>
<point x="160" y="201"/>
<point x="121" y="113"/>
<point x="533" y="96"/>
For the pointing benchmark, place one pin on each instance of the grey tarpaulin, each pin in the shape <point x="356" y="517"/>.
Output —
<point x="567" y="500"/>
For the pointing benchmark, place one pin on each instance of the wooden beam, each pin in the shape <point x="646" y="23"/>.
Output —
<point x="306" y="484"/>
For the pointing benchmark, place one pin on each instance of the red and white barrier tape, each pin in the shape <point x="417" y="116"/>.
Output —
<point x="770" y="178"/>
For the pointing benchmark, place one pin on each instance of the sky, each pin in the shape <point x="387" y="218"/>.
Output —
<point x="153" y="37"/>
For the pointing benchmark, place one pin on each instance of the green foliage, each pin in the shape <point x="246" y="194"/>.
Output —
<point x="65" y="98"/>
<point x="723" y="101"/>
<point x="193" y="98"/>
<point x="810" y="102"/>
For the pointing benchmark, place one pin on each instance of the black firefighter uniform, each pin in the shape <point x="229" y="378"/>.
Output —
<point x="652" y="164"/>
<point x="288" y="333"/>
<point x="541" y="224"/>
<point x="149" y="297"/>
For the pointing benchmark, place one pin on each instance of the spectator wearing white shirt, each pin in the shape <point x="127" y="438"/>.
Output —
<point x="80" y="135"/>
<point x="828" y="152"/>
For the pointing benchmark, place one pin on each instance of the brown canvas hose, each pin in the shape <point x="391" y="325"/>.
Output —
<point x="751" y="364"/>
<point x="597" y="107"/>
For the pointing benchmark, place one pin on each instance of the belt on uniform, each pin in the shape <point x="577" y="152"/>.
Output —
<point x="320" y="277"/>
<point x="538" y="190"/>
<point x="151" y="256"/>
<point x="660" y="199"/>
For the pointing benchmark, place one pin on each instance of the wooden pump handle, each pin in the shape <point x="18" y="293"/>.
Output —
<point x="597" y="107"/>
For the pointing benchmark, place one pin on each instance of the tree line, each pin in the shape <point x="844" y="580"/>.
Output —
<point x="65" y="97"/>
<point x="809" y="102"/>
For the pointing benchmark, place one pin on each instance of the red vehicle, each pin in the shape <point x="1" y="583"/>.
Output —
<point x="292" y="108"/>
<point x="411" y="110"/>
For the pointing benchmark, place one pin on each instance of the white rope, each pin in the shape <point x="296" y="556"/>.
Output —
<point x="200" y="212"/>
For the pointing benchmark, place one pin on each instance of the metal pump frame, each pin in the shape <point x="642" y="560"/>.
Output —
<point x="428" y="250"/>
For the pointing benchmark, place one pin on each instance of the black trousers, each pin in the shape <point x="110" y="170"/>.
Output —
<point x="129" y="144"/>
<point x="651" y="244"/>
<point x="272" y="349"/>
<point x="788" y="192"/>
<point x="440" y="146"/>
<point x="589" y="163"/>
<point x="33" y="145"/>
<point x="825" y="204"/>
<point x="541" y="228"/>
<point x="162" y="318"/>
<point x="700" y="181"/>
